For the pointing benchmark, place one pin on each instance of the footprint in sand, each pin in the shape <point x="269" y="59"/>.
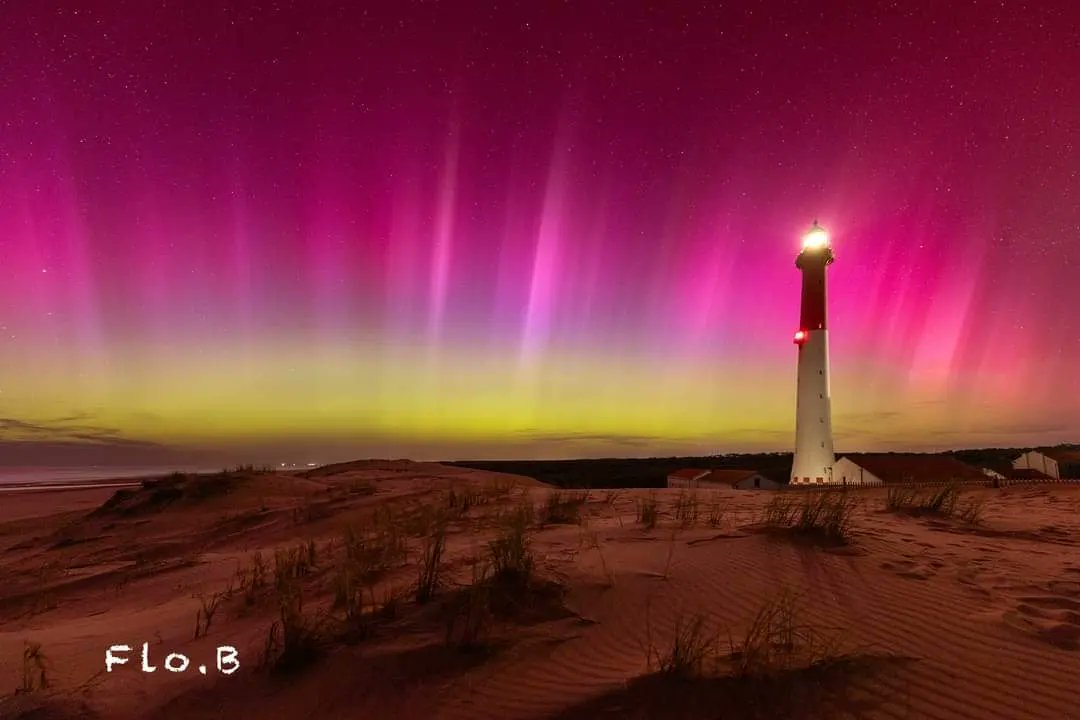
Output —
<point x="1051" y="618"/>
<point x="910" y="569"/>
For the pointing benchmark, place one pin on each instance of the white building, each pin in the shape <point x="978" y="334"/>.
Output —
<point x="900" y="468"/>
<point x="687" y="478"/>
<point x="1035" y="460"/>
<point x="721" y="479"/>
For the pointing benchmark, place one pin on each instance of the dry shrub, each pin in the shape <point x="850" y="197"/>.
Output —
<point x="468" y="613"/>
<point x="690" y="650"/>
<point x="716" y="514"/>
<point x="823" y="516"/>
<point x="943" y="501"/>
<point x="431" y="564"/>
<point x="462" y="499"/>
<point x="776" y="641"/>
<point x="972" y="511"/>
<point x="561" y="507"/>
<point x="205" y="614"/>
<point x="900" y="498"/>
<point x="34" y="668"/>
<point x="647" y="512"/>
<point x="293" y="640"/>
<point x="686" y="508"/>
<point x="511" y="554"/>
<point x="780" y="511"/>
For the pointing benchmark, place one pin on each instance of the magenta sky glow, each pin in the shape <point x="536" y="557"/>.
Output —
<point x="564" y="229"/>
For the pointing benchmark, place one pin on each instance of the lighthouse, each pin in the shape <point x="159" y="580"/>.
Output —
<point x="813" y="462"/>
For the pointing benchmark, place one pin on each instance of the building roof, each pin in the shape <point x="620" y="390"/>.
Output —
<point x="730" y="476"/>
<point x="1062" y="455"/>
<point x="915" y="467"/>
<point x="688" y="473"/>
<point x="1026" y="474"/>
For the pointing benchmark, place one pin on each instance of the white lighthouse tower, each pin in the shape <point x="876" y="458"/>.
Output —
<point x="813" y="462"/>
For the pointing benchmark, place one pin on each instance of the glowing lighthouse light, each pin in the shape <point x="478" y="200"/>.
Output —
<point x="800" y="336"/>
<point x="816" y="239"/>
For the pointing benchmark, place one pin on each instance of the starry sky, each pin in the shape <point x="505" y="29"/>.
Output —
<point x="315" y="231"/>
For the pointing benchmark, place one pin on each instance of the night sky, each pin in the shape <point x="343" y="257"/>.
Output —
<point x="311" y="231"/>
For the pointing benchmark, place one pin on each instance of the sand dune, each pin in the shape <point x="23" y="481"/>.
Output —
<point x="922" y="617"/>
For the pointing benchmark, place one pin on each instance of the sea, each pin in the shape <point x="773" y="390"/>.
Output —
<point x="74" y="475"/>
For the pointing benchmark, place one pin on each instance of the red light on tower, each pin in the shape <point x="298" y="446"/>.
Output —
<point x="800" y="337"/>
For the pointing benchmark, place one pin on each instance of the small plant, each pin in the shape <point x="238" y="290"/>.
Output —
<point x="776" y="641"/>
<point x="690" y="649"/>
<point x="780" y="511"/>
<point x="205" y="614"/>
<point x="686" y="508"/>
<point x="562" y="507"/>
<point x="592" y="540"/>
<point x="511" y="555"/>
<point x="716" y="514"/>
<point x="942" y="502"/>
<point x="431" y="564"/>
<point x="825" y="516"/>
<point x="292" y="640"/>
<point x="972" y="510"/>
<point x="34" y="668"/>
<point x="900" y="498"/>
<point x="647" y="513"/>
<point x="468" y="617"/>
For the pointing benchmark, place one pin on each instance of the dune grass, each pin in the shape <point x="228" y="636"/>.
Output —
<point x="430" y="565"/>
<point x="945" y="501"/>
<point x="293" y="640"/>
<point x="647" y="512"/>
<point x="563" y="507"/>
<point x="686" y="508"/>
<point x="34" y="668"/>
<point x="691" y="652"/>
<point x="511" y="553"/>
<point x="823" y="516"/>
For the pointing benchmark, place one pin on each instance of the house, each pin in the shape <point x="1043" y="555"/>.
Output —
<point x="1057" y="463"/>
<point x="723" y="478"/>
<point x="686" y="478"/>
<point x="893" y="468"/>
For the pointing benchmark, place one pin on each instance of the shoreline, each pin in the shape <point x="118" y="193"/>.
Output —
<point x="31" y="487"/>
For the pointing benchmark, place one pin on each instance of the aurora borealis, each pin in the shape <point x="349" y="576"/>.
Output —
<point x="323" y="231"/>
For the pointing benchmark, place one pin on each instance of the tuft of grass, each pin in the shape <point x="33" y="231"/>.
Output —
<point x="34" y="668"/>
<point x="972" y="511"/>
<point x="686" y="508"/>
<point x="561" y="507"/>
<point x="776" y="641"/>
<point x="900" y="498"/>
<point x="591" y="540"/>
<point x="943" y="501"/>
<point x="780" y="511"/>
<point x="647" y="512"/>
<point x="431" y="564"/>
<point x="368" y="555"/>
<point x="511" y="555"/>
<point x="205" y="614"/>
<point x="468" y="618"/>
<point x="716" y="514"/>
<point x="690" y="649"/>
<point x="293" y="640"/>
<point x="462" y="499"/>
<point x="825" y="516"/>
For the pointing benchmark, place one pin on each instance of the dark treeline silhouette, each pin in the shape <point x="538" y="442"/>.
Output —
<point x="653" y="472"/>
